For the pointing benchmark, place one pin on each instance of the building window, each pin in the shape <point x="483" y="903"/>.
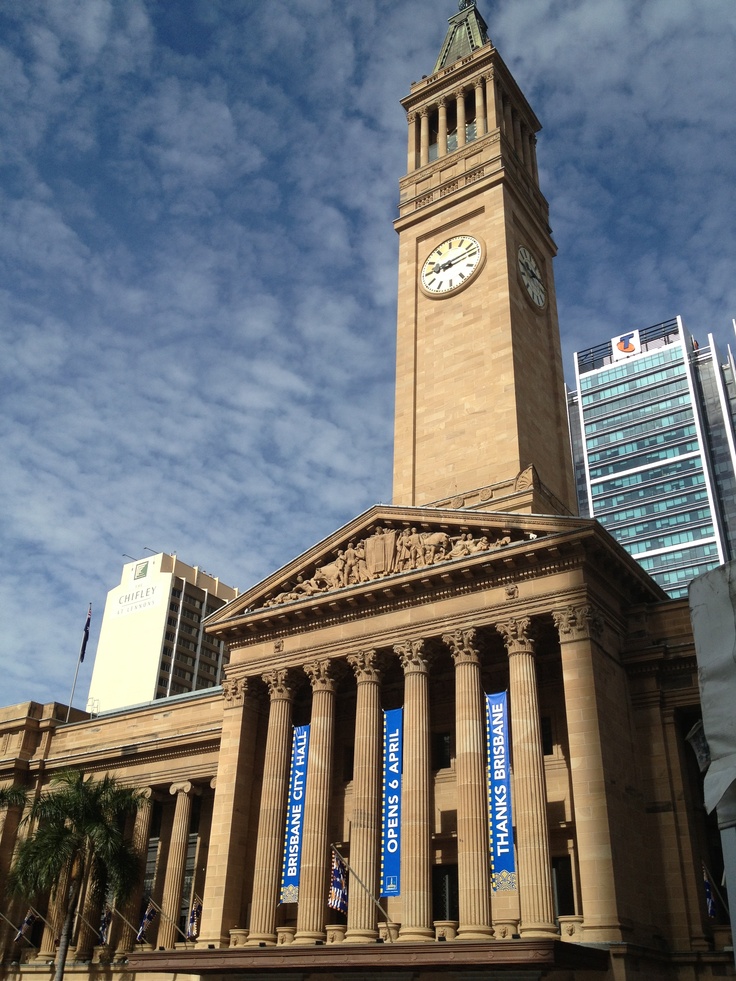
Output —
<point x="441" y="750"/>
<point x="548" y="745"/>
<point x="564" y="894"/>
<point x="445" y="904"/>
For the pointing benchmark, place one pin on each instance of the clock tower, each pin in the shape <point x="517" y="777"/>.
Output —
<point x="480" y="403"/>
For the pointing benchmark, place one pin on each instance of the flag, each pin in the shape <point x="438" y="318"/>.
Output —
<point x="338" y="898"/>
<point x="148" y="918"/>
<point x="195" y="914"/>
<point x="25" y="928"/>
<point x="105" y="920"/>
<point x="710" y="903"/>
<point x="85" y="634"/>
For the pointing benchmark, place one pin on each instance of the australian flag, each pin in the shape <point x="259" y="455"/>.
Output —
<point x="710" y="903"/>
<point x="26" y="926"/>
<point x="338" y="898"/>
<point x="148" y="917"/>
<point x="85" y="634"/>
<point x="105" y="920"/>
<point x="195" y="914"/>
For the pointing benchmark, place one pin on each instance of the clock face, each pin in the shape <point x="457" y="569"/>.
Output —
<point x="532" y="277"/>
<point x="451" y="265"/>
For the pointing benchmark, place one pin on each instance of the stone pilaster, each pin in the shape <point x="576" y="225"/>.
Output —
<point x="315" y="865"/>
<point x="530" y="797"/>
<point x="131" y="909"/>
<point x="472" y="808"/>
<point x="270" y="843"/>
<point x="416" y="883"/>
<point x="492" y="114"/>
<point x="411" y="152"/>
<point x="365" y="826"/>
<point x="174" y="878"/>
<point x="223" y="893"/>
<point x="578" y="627"/>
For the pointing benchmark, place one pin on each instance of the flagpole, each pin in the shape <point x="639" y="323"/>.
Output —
<point x="14" y="926"/>
<point x="83" y="647"/>
<point x="367" y="890"/>
<point x="164" y="916"/>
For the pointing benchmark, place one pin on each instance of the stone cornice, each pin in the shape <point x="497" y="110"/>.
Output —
<point x="534" y="955"/>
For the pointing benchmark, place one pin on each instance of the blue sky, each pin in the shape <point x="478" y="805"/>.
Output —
<point x="198" y="267"/>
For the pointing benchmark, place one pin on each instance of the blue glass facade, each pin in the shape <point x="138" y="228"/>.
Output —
<point x="652" y="435"/>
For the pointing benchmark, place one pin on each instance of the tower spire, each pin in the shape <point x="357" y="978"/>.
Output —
<point x="467" y="32"/>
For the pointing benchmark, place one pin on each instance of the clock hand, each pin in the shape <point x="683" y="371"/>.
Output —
<point x="532" y="273"/>
<point x="457" y="258"/>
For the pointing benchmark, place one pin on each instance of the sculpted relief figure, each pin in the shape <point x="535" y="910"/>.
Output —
<point x="384" y="552"/>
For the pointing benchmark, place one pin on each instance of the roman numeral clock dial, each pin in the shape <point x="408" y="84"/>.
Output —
<point x="451" y="265"/>
<point x="531" y="277"/>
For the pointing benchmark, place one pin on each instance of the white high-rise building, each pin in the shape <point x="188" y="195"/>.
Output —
<point x="152" y="643"/>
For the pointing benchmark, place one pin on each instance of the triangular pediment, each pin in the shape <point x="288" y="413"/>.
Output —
<point x="388" y="545"/>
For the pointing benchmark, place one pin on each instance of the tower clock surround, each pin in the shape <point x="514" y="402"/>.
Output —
<point x="480" y="394"/>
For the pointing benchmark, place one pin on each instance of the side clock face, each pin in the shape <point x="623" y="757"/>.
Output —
<point x="451" y="265"/>
<point x="531" y="276"/>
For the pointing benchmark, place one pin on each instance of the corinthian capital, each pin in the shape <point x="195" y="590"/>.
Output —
<point x="578" y="622"/>
<point x="516" y="635"/>
<point x="462" y="646"/>
<point x="321" y="674"/>
<point x="234" y="691"/>
<point x="278" y="683"/>
<point x="365" y="666"/>
<point x="413" y="657"/>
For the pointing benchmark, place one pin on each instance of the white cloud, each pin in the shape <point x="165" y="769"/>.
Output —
<point x="198" y="269"/>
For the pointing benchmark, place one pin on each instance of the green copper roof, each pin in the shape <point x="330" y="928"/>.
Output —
<point x="467" y="32"/>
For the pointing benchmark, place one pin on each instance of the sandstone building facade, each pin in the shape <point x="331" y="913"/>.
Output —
<point x="478" y="579"/>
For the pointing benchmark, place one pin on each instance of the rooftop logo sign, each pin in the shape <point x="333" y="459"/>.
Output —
<point x="625" y="345"/>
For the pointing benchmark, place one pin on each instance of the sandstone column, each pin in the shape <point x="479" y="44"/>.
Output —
<point x="271" y="824"/>
<point x="88" y="921"/>
<point x="131" y="910"/>
<point x="9" y="840"/>
<point x="416" y="884"/>
<point x="54" y="918"/>
<point x="315" y="865"/>
<point x="480" y="109"/>
<point x="530" y="797"/>
<point x="460" y="102"/>
<point x="174" y="879"/>
<point x="223" y="891"/>
<point x="442" y="127"/>
<point x="472" y="808"/>
<point x="365" y="828"/>
<point x="424" y="137"/>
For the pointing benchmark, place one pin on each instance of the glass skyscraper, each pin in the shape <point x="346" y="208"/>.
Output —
<point x="652" y="428"/>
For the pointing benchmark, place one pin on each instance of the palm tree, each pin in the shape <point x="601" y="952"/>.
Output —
<point x="10" y="796"/>
<point x="78" y="838"/>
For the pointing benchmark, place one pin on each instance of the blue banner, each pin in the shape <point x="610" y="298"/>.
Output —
<point x="500" y="821"/>
<point x="295" y="816"/>
<point x="391" y="817"/>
